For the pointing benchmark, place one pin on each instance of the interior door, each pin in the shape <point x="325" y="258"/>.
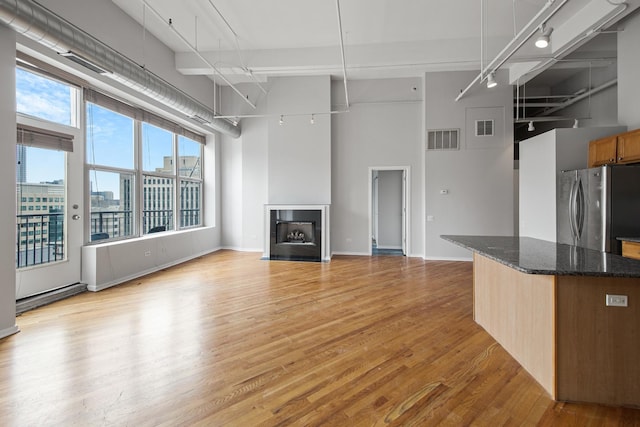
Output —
<point x="49" y="227"/>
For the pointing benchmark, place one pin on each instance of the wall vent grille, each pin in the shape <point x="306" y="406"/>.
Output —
<point x="484" y="127"/>
<point x="443" y="139"/>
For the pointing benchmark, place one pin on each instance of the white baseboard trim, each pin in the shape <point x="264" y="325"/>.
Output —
<point x="351" y="253"/>
<point x="389" y="247"/>
<point x="103" y="286"/>
<point x="239" y="249"/>
<point x="9" y="331"/>
<point x="444" y="258"/>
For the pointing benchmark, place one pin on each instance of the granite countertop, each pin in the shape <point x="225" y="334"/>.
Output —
<point x="630" y="239"/>
<point x="535" y="256"/>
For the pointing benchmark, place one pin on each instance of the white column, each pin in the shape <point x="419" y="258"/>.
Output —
<point x="8" y="180"/>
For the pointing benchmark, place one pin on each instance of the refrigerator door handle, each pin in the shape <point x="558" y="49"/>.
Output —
<point x="580" y="209"/>
<point x="572" y="211"/>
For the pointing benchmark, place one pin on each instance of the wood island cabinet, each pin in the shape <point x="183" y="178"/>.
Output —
<point x="631" y="249"/>
<point x="617" y="149"/>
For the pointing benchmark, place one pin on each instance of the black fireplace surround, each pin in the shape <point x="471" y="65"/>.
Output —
<point x="296" y="235"/>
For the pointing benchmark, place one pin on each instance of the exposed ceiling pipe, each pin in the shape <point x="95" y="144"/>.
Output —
<point x="199" y="55"/>
<point x="344" y="64"/>
<point x="580" y="97"/>
<point x="238" y="50"/>
<point x="40" y="24"/>
<point x="509" y="50"/>
<point x="545" y="116"/>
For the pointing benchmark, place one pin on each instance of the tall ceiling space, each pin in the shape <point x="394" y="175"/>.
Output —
<point x="247" y="41"/>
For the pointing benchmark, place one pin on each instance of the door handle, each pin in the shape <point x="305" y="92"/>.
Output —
<point x="580" y="211"/>
<point x="572" y="210"/>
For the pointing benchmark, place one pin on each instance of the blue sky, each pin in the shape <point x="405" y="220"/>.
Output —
<point x="109" y="135"/>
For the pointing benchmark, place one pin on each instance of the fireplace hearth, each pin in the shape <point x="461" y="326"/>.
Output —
<point x="295" y="234"/>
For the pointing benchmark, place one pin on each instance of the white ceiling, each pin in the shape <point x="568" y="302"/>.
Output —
<point x="382" y="38"/>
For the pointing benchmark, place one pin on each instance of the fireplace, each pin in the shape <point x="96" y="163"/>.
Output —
<point x="296" y="233"/>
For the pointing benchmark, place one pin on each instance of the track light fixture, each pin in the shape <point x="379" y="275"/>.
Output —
<point x="313" y="119"/>
<point x="531" y="128"/>
<point x="491" y="80"/>
<point x="281" y="120"/>
<point x="543" y="40"/>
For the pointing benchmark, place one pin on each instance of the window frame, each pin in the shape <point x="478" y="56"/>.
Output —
<point x="139" y="119"/>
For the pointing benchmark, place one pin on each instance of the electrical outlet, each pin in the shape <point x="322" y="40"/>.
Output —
<point x="147" y="253"/>
<point x="617" y="300"/>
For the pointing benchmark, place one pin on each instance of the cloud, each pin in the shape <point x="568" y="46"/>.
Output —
<point x="44" y="98"/>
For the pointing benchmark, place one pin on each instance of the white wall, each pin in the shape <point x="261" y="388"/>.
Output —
<point x="299" y="153"/>
<point x="538" y="186"/>
<point x="628" y="71"/>
<point x="382" y="128"/>
<point x="112" y="263"/>
<point x="478" y="177"/>
<point x="244" y="187"/>
<point x="389" y="209"/>
<point x="232" y="187"/>
<point x="8" y="178"/>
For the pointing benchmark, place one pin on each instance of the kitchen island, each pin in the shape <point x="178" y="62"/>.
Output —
<point x="546" y="304"/>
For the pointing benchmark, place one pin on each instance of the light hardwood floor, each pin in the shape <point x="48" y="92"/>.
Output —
<point x="228" y="339"/>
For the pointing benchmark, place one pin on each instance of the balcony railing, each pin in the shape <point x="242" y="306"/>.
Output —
<point x="189" y="217"/>
<point x="39" y="239"/>
<point x="154" y="221"/>
<point x="112" y="224"/>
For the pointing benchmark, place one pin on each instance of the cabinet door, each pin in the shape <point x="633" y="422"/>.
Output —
<point x="629" y="147"/>
<point x="603" y="151"/>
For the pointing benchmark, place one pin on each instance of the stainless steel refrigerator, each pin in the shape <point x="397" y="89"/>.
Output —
<point x="596" y="206"/>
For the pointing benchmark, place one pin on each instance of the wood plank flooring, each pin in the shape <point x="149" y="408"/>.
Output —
<point x="230" y="340"/>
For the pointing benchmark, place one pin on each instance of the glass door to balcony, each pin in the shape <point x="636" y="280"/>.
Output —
<point x="49" y="182"/>
<point x="48" y="223"/>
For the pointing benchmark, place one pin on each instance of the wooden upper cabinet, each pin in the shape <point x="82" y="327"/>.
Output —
<point x="629" y="147"/>
<point x="603" y="151"/>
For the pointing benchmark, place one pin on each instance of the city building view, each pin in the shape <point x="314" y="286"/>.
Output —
<point x="40" y="217"/>
<point x="112" y="217"/>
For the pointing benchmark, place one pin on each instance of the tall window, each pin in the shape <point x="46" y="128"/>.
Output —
<point x="40" y="166"/>
<point x="190" y="171"/>
<point x="158" y="181"/>
<point x="145" y="172"/>
<point x="110" y="157"/>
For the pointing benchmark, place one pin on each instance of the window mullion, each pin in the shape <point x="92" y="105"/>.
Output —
<point x="176" y="188"/>
<point x="137" y="161"/>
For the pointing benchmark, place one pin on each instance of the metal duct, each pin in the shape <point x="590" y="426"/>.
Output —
<point x="38" y="23"/>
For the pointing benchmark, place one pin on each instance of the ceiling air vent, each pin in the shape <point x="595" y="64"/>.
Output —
<point x="443" y="139"/>
<point x="484" y="127"/>
<point x="80" y="60"/>
<point x="200" y="120"/>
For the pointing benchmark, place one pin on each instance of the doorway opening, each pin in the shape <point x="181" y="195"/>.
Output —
<point x="388" y="210"/>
